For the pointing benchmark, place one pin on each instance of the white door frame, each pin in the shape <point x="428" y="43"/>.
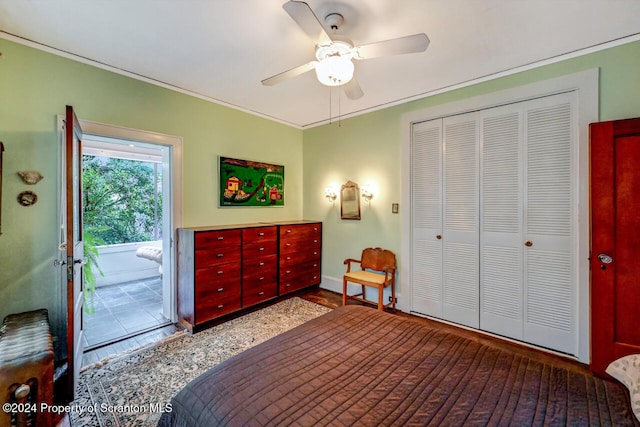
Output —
<point x="174" y="157"/>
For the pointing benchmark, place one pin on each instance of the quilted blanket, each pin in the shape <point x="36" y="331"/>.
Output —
<point x="357" y="366"/>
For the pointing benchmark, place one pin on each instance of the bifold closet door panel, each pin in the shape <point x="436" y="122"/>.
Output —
<point x="501" y="217"/>
<point x="550" y="223"/>
<point x="426" y="218"/>
<point x="461" y="220"/>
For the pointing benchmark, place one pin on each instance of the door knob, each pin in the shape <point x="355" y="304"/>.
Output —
<point x="605" y="259"/>
<point x="528" y="243"/>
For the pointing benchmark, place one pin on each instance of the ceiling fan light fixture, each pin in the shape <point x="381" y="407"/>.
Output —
<point x="334" y="70"/>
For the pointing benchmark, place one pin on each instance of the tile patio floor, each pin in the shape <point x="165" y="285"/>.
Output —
<point x="124" y="310"/>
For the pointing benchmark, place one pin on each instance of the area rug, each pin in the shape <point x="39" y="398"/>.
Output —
<point x="135" y="389"/>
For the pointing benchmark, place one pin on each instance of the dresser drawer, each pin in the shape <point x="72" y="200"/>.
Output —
<point x="259" y="250"/>
<point x="212" y="240"/>
<point x="259" y="234"/>
<point x="217" y="256"/>
<point x="256" y="293"/>
<point x="258" y="277"/>
<point x="215" y="304"/>
<point x="257" y="264"/>
<point x="300" y="231"/>
<point x="299" y="283"/>
<point x="289" y="259"/>
<point x="299" y="276"/>
<point x="209" y="277"/>
<point x="292" y="246"/>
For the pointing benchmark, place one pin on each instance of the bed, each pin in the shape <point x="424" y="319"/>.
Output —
<point x="359" y="366"/>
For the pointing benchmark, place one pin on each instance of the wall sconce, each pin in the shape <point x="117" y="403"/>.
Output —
<point x="366" y="192"/>
<point x="330" y="193"/>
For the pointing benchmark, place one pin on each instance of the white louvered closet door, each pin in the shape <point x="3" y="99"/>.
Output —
<point x="426" y="218"/>
<point x="498" y="187"/>
<point x="501" y="243"/>
<point x="460" y="235"/>
<point x="550" y="293"/>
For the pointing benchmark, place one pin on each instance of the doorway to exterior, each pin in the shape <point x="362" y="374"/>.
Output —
<point x="127" y="223"/>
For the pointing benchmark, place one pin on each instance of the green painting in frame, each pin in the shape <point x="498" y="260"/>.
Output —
<point x="250" y="183"/>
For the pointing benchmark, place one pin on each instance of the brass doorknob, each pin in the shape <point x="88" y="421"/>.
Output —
<point x="528" y="243"/>
<point x="438" y="236"/>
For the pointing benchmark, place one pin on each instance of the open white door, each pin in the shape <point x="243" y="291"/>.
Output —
<point x="75" y="250"/>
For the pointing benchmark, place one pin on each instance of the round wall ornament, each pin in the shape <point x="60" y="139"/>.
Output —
<point x="27" y="198"/>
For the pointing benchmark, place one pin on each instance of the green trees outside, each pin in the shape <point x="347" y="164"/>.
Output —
<point x="122" y="203"/>
<point x="122" y="199"/>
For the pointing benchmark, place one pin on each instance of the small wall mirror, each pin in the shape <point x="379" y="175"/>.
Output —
<point x="350" y="201"/>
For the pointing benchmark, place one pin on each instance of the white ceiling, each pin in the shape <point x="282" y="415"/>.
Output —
<point x="220" y="50"/>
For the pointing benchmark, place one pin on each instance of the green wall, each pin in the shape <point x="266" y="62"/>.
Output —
<point x="35" y="87"/>
<point x="368" y="149"/>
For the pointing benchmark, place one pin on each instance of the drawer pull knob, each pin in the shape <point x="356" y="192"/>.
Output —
<point x="260" y="234"/>
<point x="220" y="238"/>
<point x="220" y="306"/>
<point x="288" y="230"/>
<point x="221" y="272"/>
<point x="288" y="258"/>
<point x="315" y="241"/>
<point x="220" y="255"/>
<point x="288" y="285"/>
<point x="287" y="244"/>
<point x="315" y="228"/>
<point x="22" y="391"/>
<point x="261" y="264"/>
<point x="261" y="249"/>
<point x="315" y="277"/>
<point x="315" y="265"/>
<point x="261" y="293"/>
<point x="220" y="289"/>
<point x="288" y="272"/>
<point x="315" y="253"/>
<point x="261" y="279"/>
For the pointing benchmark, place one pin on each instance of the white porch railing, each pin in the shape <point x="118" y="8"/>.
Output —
<point x="120" y="264"/>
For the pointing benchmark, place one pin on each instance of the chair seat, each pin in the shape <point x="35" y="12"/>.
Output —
<point x="366" y="276"/>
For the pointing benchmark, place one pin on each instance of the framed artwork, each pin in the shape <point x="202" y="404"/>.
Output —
<point x="250" y="183"/>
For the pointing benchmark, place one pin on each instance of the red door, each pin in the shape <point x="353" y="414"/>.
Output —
<point x="615" y="241"/>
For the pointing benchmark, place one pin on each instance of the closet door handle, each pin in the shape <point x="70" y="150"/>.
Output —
<point x="439" y="236"/>
<point x="605" y="259"/>
<point x="528" y="243"/>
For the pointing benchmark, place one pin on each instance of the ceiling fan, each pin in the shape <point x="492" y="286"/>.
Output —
<point x="333" y="64"/>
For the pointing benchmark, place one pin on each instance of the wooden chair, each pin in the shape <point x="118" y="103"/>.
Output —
<point x="378" y="270"/>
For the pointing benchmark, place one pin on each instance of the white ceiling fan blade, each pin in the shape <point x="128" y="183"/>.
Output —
<point x="307" y="20"/>
<point x="289" y="74"/>
<point x="408" y="44"/>
<point x="352" y="89"/>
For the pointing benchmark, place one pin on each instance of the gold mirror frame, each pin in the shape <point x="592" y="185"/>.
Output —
<point x="350" y="201"/>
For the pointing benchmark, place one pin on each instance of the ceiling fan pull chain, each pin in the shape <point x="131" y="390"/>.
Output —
<point x="330" y="102"/>
<point x="339" y="111"/>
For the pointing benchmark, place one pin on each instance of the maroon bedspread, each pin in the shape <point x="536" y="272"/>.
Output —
<point x="357" y="366"/>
